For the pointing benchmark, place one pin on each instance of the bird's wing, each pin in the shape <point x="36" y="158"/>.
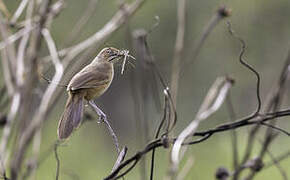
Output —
<point x="91" y="77"/>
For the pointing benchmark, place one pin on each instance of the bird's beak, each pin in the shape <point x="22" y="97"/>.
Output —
<point x="121" y="54"/>
<point x="115" y="56"/>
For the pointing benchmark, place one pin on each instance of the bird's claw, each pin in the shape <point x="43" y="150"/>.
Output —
<point x="102" y="118"/>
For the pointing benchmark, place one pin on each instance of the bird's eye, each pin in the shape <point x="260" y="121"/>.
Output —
<point x="109" y="51"/>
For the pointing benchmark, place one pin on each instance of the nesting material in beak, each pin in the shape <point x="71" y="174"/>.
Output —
<point x="125" y="54"/>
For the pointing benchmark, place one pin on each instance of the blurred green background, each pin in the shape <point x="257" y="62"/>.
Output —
<point x="263" y="24"/>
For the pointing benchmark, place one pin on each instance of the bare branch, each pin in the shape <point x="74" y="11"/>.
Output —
<point x="278" y="165"/>
<point x="92" y="5"/>
<point x="178" y="50"/>
<point x="185" y="170"/>
<point x="220" y="14"/>
<point x="19" y="11"/>
<point x="57" y="161"/>
<point x="244" y="63"/>
<point x="117" y="20"/>
<point x="8" y="54"/>
<point x="112" y="133"/>
<point x="120" y="158"/>
<point x="212" y="102"/>
<point x="23" y="45"/>
<point x="7" y="129"/>
<point x="278" y="159"/>
<point x="275" y="128"/>
<point x="234" y="137"/>
<point x="43" y="107"/>
<point x="14" y="37"/>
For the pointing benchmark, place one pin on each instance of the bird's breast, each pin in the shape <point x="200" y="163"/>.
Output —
<point x="93" y="93"/>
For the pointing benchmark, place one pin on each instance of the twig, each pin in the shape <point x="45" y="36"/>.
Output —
<point x="112" y="133"/>
<point x="278" y="159"/>
<point x="14" y="37"/>
<point x="120" y="158"/>
<point x="140" y="116"/>
<point x="90" y="10"/>
<point x="57" y="161"/>
<point x="8" y="54"/>
<point x="44" y="104"/>
<point x="234" y="138"/>
<point x="117" y="20"/>
<point x="178" y="50"/>
<point x="276" y="128"/>
<point x="23" y="45"/>
<point x="212" y="102"/>
<point x="277" y="164"/>
<point x="19" y="11"/>
<point x="135" y="158"/>
<point x="244" y="63"/>
<point x="7" y="129"/>
<point x="248" y="120"/>
<point x="145" y="66"/>
<point x="165" y="109"/>
<point x="56" y="83"/>
<point x="206" y="134"/>
<point x="4" y="9"/>
<point x="220" y="14"/>
<point x="185" y="170"/>
<point x="274" y="104"/>
<point x="36" y="149"/>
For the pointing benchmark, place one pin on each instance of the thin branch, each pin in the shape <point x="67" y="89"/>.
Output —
<point x="112" y="133"/>
<point x="178" y="50"/>
<point x="19" y="11"/>
<point x="244" y="63"/>
<point x="206" y="134"/>
<point x="7" y="129"/>
<point x="4" y="9"/>
<point x="8" y="54"/>
<point x="249" y="120"/>
<point x="234" y="137"/>
<point x="212" y="102"/>
<point x="135" y="158"/>
<point x="272" y="104"/>
<point x="276" y="128"/>
<point x="14" y="37"/>
<point x="23" y="45"/>
<point x="278" y="159"/>
<point x="95" y="40"/>
<point x="90" y="10"/>
<point x="44" y="104"/>
<point x="57" y="161"/>
<point x="278" y="165"/>
<point x="186" y="169"/>
<point x="120" y="158"/>
<point x="36" y="149"/>
<point x="165" y="109"/>
<point x="220" y="14"/>
<point x="248" y="66"/>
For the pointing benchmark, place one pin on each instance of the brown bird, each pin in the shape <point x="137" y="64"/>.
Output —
<point x="91" y="82"/>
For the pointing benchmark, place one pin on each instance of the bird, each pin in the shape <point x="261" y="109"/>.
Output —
<point x="88" y="84"/>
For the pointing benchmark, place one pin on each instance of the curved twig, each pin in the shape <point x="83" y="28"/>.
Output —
<point x="244" y="63"/>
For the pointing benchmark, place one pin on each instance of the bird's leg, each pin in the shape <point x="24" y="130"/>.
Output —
<point x="103" y="118"/>
<point x="101" y="114"/>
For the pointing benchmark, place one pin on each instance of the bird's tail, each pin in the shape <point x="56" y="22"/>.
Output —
<point x="72" y="115"/>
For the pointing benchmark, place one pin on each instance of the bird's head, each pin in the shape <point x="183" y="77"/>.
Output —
<point x="109" y="54"/>
<point x="112" y="54"/>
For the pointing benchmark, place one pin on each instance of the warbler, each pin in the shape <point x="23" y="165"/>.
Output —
<point x="89" y="83"/>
